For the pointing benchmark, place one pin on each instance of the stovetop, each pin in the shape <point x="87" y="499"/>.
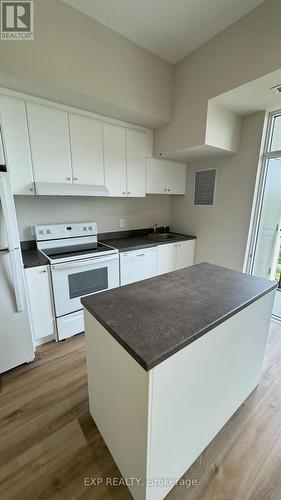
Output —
<point x="77" y="252"/>
<point x="73" y="241"/>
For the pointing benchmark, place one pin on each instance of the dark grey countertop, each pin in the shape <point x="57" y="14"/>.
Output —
<point x="155" y="318"/>
<point x="33" y="258"/>
<point x="121" y="240"/>
<point x="142" y="241"/>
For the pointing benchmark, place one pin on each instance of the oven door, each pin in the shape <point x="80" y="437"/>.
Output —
<point x="73" y="280"/>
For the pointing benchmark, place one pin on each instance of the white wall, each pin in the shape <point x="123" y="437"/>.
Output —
<point x="75" y="60"/>
<point x="222" y="230"/>
<point x="248" y="49"/>
<point x="138" y="212"/>
<point x="223" y="128"/>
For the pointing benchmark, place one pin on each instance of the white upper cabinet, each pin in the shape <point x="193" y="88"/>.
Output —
<point x="163" y="176"/>
<point x="136" y="158"/>
<point x="49" y="141"/>
<point x="156" y="176"/>
<point x="50" y="148"/>
<point x="15" y="137"/>
<point x="86" y="150"/>
<point x="114" y="143"/>
<point x="176" y="178"/>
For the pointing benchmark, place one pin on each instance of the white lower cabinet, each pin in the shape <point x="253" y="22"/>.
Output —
<point x="173" y="256"/>
<point x="185" y="254"/>
<point x="137" y="265"/>
<point x="167" y="256"/>
<point x="40" y="301"/>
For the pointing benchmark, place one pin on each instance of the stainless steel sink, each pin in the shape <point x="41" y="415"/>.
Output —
<point x="164" y="236"/>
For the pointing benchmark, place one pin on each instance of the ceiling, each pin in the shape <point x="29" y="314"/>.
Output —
<point x="171" y="29"/>
<point x="253" y="96"/>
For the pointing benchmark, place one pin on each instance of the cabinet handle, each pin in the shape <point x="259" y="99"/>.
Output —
<point x="169" y="190"/>
<point x="179" y="245"/>
<point x="165" y="189"/>
<point x="124" y="192"/>
<point x="140" y="255"/>
<point x="128" y="192"/>
<point x="68" y="178"/>
<point x="75" y="178"/>
<point x="44" y="271"/>
<point x="31" y="189"/>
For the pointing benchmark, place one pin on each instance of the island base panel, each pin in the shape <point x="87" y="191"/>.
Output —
<point x="197" y="390"/>
<point x="118" y="399"/>
<point x="157" y="423"/>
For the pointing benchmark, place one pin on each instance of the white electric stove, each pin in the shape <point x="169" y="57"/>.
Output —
<point x="80" y="266"/>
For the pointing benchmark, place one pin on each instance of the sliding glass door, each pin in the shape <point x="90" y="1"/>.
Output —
<point x="266" y="248"/>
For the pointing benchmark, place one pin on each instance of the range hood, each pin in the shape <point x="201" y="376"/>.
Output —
<point x="61" y="189"/>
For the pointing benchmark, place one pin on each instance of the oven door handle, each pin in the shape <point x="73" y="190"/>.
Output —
<point x="83" y="262"/>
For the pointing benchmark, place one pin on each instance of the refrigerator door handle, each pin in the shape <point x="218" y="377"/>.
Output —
<point x="9" y="213"/>
<point x="16" y="280"/>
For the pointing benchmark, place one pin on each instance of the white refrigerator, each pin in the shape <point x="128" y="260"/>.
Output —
<point x="16" y="342"/>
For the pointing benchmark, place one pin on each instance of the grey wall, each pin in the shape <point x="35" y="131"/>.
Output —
<point x="222" y="230"/>
<point x="138" y="212"/>
<point x="77" y="61"/>
<point x="248" y="49"/>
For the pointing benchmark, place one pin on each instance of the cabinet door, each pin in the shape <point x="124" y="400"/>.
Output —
<point x="167" y="258"/>
<point x="185" y="254"/>
<point x="86" y="150"/>
<point x="49" y="141"/>
<point x="156" y="176"/>
<point x="176" y="177"/>
<point x="114" y="144"/>
<point x="136" y="155"/>
<point x="15" y="135"/>
<point x="138" y="265"/>
<point x="40" y="302"/>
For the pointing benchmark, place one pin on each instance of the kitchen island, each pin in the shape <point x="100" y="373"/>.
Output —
<point x="170" y="359"/>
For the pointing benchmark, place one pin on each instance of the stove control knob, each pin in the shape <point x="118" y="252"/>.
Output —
<point x="90" y="228"/>
<point x="85" y="228"/>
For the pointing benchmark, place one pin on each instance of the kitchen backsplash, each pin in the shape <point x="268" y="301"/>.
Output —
<point x="106" y="212"/>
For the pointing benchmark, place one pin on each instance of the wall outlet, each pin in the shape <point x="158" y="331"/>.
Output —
<point x="122" y="223"/>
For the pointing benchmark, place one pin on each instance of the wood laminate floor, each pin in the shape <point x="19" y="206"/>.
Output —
<point x="49" y="443"/>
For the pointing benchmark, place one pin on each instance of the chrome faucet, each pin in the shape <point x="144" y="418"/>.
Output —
<point x="155" y="228"/>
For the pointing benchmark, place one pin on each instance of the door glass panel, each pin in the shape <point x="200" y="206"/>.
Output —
<point x="268" y="240"/>
<point x="276" y="135"/>
<point x="87" y="282"/>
